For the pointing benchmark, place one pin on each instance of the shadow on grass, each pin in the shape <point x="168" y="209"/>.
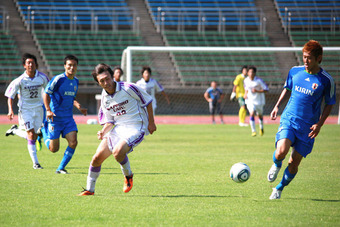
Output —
<point x="318" y="200"/>
<point x="186" y="196"/>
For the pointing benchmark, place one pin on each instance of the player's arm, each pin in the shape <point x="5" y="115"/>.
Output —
<point x="166" y="97"/>
<point x="245" y="94"/>
<point x="317" y="127"/>
<point x="152" y="126"/>
<point x="47" y="101"/>
<point x="10" y="114"/>
<point x="233" y="93"/>
<point x="284" y="95"/>
<point x="106" y="128"/>
<point x="77" y="105"/>
<point x="206" y="96"/>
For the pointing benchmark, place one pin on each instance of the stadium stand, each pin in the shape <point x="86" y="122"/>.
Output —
<point x="313" y="19"/>
<point x="199" y="69"/>
<point x="90" y="48"/>
<point x="9" y="58"/>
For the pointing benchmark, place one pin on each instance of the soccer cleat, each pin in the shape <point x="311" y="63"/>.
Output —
<point x="61" y="171"/>
<point x="10" y="131"/>
<point x="128" y="183"/>
<point x="276" y="194"/>
<point x="241" y="124"/>
<point x="253" y="134"/>
<point x="85" y="192"/>
<point x="273" y="172"/>
<point x="261" y="132"/>
<point x="37" y="166"/>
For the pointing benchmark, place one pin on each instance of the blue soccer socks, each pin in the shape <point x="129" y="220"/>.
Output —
<point x="67" y="157"/>
<point x="278" y="163"/>
<point x="286" y="179"/>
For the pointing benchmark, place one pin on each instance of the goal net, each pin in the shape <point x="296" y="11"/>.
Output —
<point x="186" y="72"/>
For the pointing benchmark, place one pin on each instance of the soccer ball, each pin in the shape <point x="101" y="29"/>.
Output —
<point x="240" y="172"/>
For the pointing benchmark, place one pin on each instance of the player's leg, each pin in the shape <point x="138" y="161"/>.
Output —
<point x="102" y="153"/>
<point x="31" y="138"/>
<point x="71" y="138"/>
<point x="219" y="111"/>
<point x="282" y="149"/>
<point x="242" y="112"/>
<point x="212" y="112"/>
<point x="19" y="131"/>
<point x="259" y="110"/>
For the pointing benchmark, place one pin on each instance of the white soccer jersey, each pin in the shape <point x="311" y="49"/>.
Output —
<point x="30" y="90"/>
<point x="255" y="98"/>
<point x="151" y="87"/>
<point x="127" y="106"/>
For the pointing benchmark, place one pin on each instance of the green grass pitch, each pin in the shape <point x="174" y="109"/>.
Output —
<point x="181" y="179"/>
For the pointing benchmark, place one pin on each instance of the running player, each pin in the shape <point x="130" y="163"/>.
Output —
<point x="128" y="108"/>
<point x="151" y="86"/>
<point x="300" y="122"/>
<point x="59" y="99"/>
<point x="238" y="92"/>
<point x="29" y="87"/>
<point x="117" y="73"/>
<point x="214" y="97"/>
<point x="255" y="88"/>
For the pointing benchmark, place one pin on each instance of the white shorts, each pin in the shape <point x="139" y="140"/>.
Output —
<point x="31" y="118"/>
<point x="131" y="134"/>
<point x="252" y="108"/>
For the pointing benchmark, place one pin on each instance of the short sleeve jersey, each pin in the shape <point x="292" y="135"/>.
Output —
<point x="238" y="82"/>
<point x="255" y="98"/>
<point x="307" y="92"/>
<point x="126" y="106"/>
<point x="151" y="87"/>
<point x="214" y="94"/>
<point x="62" y="91"/>
<point x="29" y="89"/>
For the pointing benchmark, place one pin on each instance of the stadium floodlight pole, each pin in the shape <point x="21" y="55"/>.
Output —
<point x="127" y="53"/>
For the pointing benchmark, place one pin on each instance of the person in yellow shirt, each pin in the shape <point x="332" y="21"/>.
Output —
<point x="238" y="93"/>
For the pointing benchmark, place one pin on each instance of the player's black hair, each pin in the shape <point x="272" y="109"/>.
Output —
<point x="118" y="67"/>
<point x="253" y="68"/>
<point x="70" y="57"/>
<point x="244" y="67"/>
<point x="147" y="68"/>
<point x="29" y="56"/>
<point x="101" y="68"/>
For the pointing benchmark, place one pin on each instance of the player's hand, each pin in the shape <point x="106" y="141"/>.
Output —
<point x="100" y="135"/>
<point x="315" y="131"/>
<point x="10" y="115"/>
<point x="152" y="127"/>
<point x="232" y="96"/>
<point x="273" y="114"/>
<point x="253" y="90"/>
<point x="50" y="115"/>
<point x="83" y="111"/>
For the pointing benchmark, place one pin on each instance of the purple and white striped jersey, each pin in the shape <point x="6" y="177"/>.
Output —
<point x="126" y="106"/>
<point x="151" y="87"/>
<point x="30" y="90"/>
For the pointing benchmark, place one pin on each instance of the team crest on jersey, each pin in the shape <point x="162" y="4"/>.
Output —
<point x="50" y="128"/>
<point x="315" y="86"/>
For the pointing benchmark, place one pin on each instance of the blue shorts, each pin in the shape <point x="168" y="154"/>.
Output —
<point x="299" y="138"/>
<point x="61" y="126"/>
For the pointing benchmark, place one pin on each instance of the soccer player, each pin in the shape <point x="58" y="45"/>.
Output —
<point x="214" y="97"/>
<point x="29" y="87"/>
<point x="238" y="93"/>
<point x="306" y="86"/>
<point x="59" y="99"/>
<point x="151" y="86"/>
<point x="128" y="108"/>
<point x="117" y="73"/>
<point x="255" y="88"/>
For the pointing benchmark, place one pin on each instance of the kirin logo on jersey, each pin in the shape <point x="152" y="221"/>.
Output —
<point x="315" y="86"/>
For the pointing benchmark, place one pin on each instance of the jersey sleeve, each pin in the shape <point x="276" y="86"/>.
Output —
<point x="104" y="116"/>
<point x="246" y="84"/>
<point x="13" y="89"/>
<point x="330" y="91"/>
<point x="289" y="81"/>
<point x="159" y="87"/>
<point x="263" y="85"/>
<point x="139" y="94"/>
<point x="237" y="80"/>
<point x="52" y="86"/>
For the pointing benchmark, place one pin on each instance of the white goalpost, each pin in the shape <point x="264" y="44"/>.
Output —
<point x="186" y="71"/>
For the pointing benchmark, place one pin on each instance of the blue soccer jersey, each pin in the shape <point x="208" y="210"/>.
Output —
<point x="214" y="94"/>
<point x="307" y="93"/>
<point x="62" y="91"/>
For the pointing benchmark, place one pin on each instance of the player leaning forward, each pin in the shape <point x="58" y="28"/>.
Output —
<point x="301" y="122"/>
<point x="129" y="109"/>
